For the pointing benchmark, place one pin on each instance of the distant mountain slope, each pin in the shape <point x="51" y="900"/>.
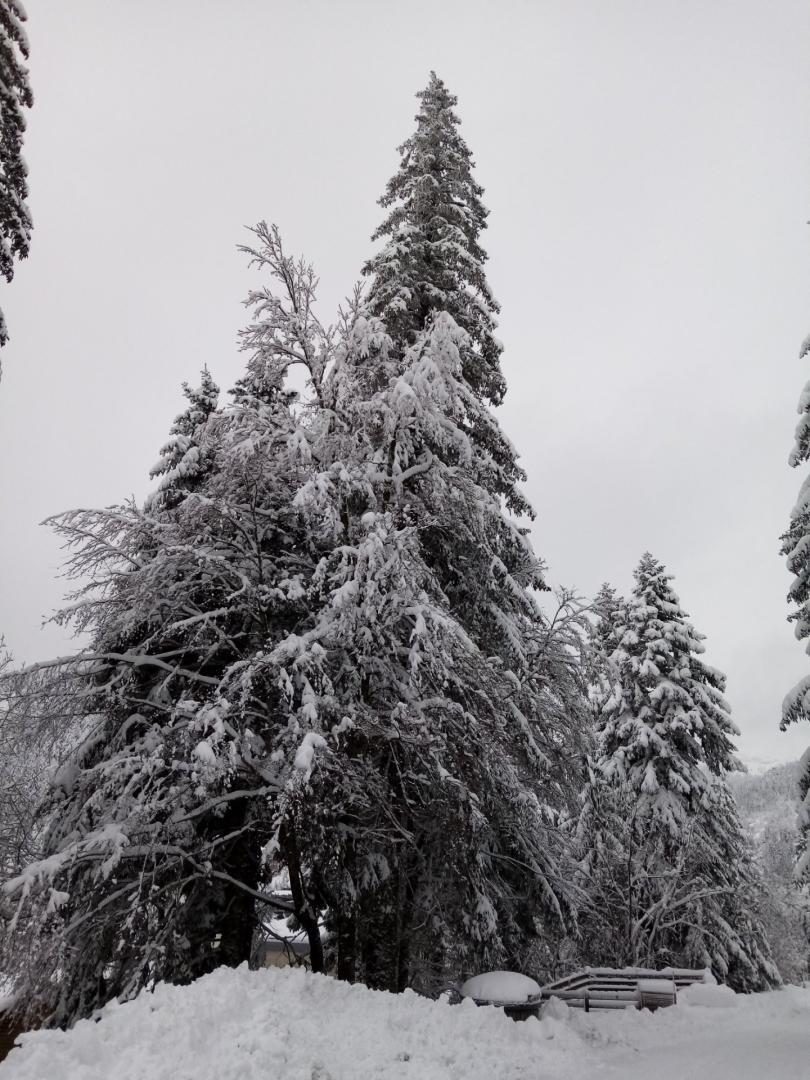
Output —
<point x="768" y="801"/>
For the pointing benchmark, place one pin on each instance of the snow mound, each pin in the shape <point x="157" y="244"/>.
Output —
<point x="237" y="1024"/>
<point x="556" y="1009"/>
<point x="504" y="986"/>
<point x="712" y="997"/>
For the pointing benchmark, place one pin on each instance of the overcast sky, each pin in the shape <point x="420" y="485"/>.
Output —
<point x="647" y="168"/>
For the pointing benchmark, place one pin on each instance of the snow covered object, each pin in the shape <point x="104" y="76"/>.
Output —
<point x="15" y="95"/>
<point x="181" y="463"/>
<point x="796" y="549"/>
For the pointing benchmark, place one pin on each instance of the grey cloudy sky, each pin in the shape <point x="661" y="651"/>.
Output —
<point x="646" y="163"/>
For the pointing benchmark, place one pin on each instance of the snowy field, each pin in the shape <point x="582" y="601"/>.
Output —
<point x="291" y="1025"/>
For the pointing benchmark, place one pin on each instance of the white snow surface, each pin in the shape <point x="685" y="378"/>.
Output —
<point x="709" y="997"/>
<point x="291" y="1025"/>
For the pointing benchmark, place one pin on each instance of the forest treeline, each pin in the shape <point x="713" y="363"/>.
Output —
<point x="324" y="648"/>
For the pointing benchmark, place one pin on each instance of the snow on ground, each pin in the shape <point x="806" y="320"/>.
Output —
<point x="762" y="1037"/>
<point x="290" y="1025"/>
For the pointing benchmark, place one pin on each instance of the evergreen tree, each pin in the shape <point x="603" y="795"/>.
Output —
<point x="180" y="465"/>
<point x="599" y="831"/>
<point x="432" y="261"/>
<point x="608" y="608"/>
<point x="685" y="888"/>
<point x="432" y="265"/>
<point x="15" y="95"/>
<point x="669" y="722"/>
<point x="151" y="864"/>
<point x="796" y="549"/>
<point x="608" y="614"/>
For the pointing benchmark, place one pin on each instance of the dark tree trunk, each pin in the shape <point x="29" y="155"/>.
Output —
<point x="305" y="910"/>
<point x="346" y="933"/>
<point x="402" y="973"/>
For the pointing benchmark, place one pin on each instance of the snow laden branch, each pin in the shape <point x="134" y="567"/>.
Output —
<point x="284" y="330"/>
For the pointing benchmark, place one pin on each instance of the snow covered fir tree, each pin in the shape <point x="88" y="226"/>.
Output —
<point x="323" y="650"/>
<point x="662" y="845"/>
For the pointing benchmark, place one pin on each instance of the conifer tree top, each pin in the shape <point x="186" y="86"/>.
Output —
<point x="668" y="722"/>
<point x="607" y="607"/>
<point x="180" y="462"/>
<point x="432" y="258"/>
<point x="607" y="602"/>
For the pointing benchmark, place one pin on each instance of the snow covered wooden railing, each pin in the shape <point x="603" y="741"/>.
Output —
<point x="622" y="988"/>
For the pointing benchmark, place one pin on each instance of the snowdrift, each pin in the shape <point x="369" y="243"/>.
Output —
<point x="290" y="1025"/>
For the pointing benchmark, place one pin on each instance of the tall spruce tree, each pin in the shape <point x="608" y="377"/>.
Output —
<point x="432" y="260"/>
<point x="429" y="289"/>
<point x="686" y="887"/>
<point x="432" y="263"/>
<point x="15" y="95"/>
<point x="796" y="549"/>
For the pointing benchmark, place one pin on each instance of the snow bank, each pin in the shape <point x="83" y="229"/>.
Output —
<point x="287" y="1024"/>
<point x="291" y="1025"/>
<point x="712" y="997"/>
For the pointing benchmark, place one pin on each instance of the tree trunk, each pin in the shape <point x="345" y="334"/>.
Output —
<point x="346" y="932"/>
<point x="238" y="921"/>
<point x="305" y="911"/>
